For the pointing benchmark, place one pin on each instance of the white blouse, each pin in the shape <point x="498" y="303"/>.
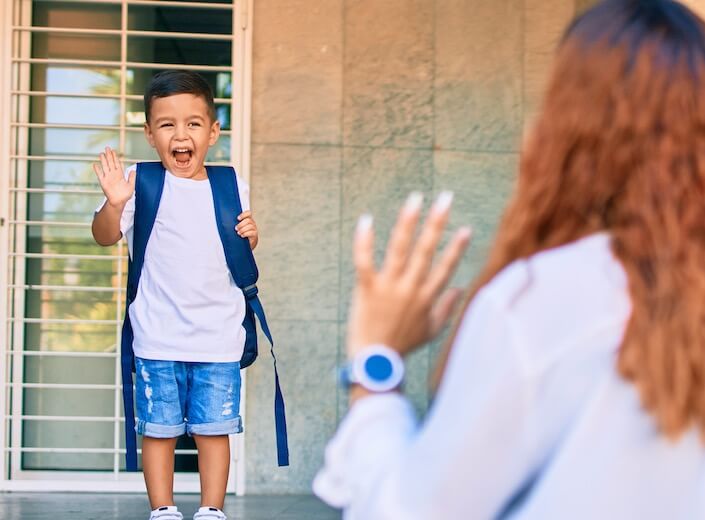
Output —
<point x="531" y="421"/>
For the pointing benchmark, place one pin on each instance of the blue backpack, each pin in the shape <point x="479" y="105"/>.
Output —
<point x="241" y="263"/>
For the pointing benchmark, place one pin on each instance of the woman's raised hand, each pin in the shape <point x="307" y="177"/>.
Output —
<point x="405" y="303"/>
<point x="111" y="177"/>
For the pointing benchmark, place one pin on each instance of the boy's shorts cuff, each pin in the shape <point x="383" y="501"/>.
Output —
<point x="216" y="428"/>
<point x="160" y="431"/>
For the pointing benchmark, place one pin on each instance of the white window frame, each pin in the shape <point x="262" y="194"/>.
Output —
<point x="15" y="478"/>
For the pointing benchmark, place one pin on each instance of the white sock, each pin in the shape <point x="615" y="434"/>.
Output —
<point x="166" y="513"/>
<point x="209" y="513"/>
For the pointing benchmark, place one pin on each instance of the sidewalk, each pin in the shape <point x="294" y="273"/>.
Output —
<point x="94" y="506"/>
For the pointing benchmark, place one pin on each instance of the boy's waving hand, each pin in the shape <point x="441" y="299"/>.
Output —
<point x="111" y="177"/>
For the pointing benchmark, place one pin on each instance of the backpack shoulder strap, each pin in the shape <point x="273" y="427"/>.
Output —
<point x="238" y="253"/>
<point x="149" y="185"/>
<point x="241" y="263"/>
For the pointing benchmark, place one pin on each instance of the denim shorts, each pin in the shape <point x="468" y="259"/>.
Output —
<point x="177" y="397"/>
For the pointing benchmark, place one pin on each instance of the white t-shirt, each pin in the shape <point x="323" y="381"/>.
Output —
<point x="532" y="420"/>
<point x="188" y="307"/>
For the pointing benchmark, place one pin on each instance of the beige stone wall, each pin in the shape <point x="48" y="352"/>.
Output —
<point x="356" y="103"/>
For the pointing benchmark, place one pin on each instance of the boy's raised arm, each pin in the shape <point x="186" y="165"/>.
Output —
<point x="117" y="190"/>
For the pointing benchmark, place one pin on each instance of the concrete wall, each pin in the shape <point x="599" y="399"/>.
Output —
<point x="356" y="103"/>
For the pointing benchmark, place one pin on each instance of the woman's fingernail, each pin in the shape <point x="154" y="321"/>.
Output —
<point x="364" y="223"/>
<point x="465" y="232"/>
<point x="443" y="202"/>
<point x="413" y="202"/>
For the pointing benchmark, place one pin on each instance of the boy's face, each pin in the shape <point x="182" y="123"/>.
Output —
<point x="181" y="131"/>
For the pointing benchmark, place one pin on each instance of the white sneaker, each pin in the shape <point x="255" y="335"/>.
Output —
<point x="166" y="513"/>
<point x="209" y="513"/>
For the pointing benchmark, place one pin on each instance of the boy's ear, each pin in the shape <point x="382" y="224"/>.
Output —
<point x="215" y="133"/>
<point x="148" y="134"/>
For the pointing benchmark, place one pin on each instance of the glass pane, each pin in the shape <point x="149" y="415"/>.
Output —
<point x="45" y="232"/>
<point x="83" y="15"/>
<point x="77" y="175"/>
<point x="80" y="111"/>
<point x="68" y="461"/>
<point x="62" y="141"/>
<point x="81" y="246"/>
<point x="137" y="147"/>
<point x="134" y="115"/>
<point x="206" y="1"/>
<point x="48" y="272"/>
<point x="220" y="152"/>
<point x="75" y="80"/>
<point x="76" y="46"/>
<point x="103" y="47"/>
<point x="69" y="434"/>
<point x="62" y="207"/>
<point x="182" y="51"/>
<point x="66" y="337"/>
<point x="72" y="402"/>
<point x="180" y="19"/>
<point x="70" y="370"/>
<point x="60" y="271"/>
<point x="89" y="306"/>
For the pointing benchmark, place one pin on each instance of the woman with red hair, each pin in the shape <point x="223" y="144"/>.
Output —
<point x="574" y="386"/>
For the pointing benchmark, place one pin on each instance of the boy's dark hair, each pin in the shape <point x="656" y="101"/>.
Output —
<point x="172" y="82"/>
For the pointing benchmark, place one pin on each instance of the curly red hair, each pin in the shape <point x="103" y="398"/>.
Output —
<point x="619" y="145"/>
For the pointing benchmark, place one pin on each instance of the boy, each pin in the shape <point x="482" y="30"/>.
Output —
<point x="188" y="313"/>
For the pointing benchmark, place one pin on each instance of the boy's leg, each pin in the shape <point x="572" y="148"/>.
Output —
<point x="213" y="467"/>
<point x="158" y="467"/>
<point x="160" y="393"/>
<point x="213" y="412"/>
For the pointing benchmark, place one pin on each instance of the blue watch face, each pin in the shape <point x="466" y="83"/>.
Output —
<point x="378" y="367"/>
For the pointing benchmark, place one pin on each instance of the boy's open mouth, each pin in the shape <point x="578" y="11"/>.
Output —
<point x="182" y="156"/>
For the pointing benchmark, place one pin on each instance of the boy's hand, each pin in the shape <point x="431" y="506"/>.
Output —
<point x="111" y="177"/>
<point x="247" y="228"/>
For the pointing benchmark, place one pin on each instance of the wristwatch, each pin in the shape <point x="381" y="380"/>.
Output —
<point x="376" y="368"/>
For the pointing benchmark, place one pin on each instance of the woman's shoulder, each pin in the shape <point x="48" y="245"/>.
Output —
<point x="584" y="266"/>
<point x="561" y="296"/>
